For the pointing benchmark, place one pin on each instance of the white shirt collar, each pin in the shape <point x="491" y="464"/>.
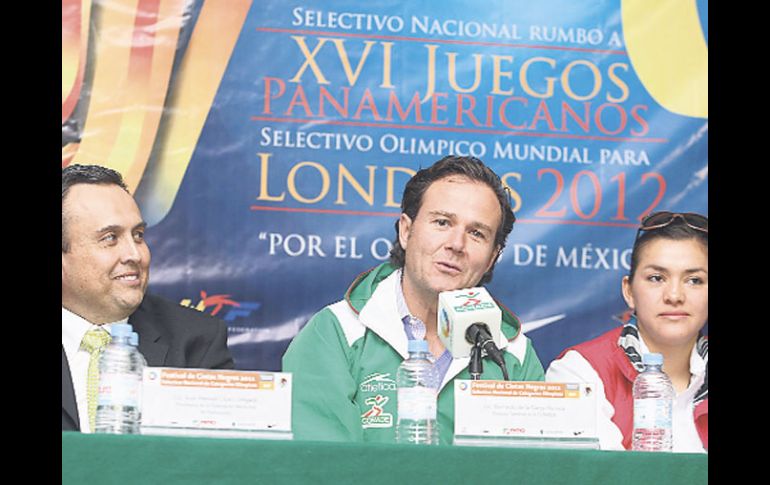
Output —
<point x="74" y="328"/>
<point x="403" y="309"/>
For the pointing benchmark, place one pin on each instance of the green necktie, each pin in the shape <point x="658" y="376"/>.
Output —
<point x="94" y="342"/>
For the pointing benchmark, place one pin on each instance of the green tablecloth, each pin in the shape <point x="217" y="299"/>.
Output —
<point x="107" y="459"/>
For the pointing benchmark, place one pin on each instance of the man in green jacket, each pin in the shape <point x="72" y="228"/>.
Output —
<point x="455" y="218"/>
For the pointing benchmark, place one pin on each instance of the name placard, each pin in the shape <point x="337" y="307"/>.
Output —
<point x="523" y="413"/>
<point x="220" y="403"/>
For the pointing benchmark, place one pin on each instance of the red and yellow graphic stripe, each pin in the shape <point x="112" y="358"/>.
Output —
<point x="129" y="46"/>
<point x="74" y="43"/>
<point x="197" y="81"/>
<point x="134" y="49"/>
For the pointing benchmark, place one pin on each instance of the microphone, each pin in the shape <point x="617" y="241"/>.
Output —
<point x="478" y="334"/>
<point x="470" y="318"/>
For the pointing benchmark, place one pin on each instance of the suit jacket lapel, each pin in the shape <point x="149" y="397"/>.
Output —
<point x="150" y="339"/>
<point x="69" y="405"/>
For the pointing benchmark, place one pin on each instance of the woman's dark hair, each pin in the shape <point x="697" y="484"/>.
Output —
<point x="469" y="167"/>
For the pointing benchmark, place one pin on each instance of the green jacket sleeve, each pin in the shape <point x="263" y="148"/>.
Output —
<point x="323" y="387"/>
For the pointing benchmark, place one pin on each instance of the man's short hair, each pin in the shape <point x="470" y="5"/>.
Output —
<point x="85" y="174"/>
<point x="469" y="167"/>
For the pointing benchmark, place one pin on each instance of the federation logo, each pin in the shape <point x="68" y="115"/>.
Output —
<point x="472" y="302"/>
<point x="470" y="298"/>
<point x="376" y="417"/>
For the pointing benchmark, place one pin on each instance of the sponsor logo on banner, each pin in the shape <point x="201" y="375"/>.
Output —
<point x="623" y="317"/>
<point x="222" y="306"/>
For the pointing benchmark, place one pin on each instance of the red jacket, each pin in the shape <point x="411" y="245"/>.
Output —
<point x="618" y="374"/>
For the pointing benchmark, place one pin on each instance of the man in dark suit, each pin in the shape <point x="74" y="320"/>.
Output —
<point x="105" y="273"/>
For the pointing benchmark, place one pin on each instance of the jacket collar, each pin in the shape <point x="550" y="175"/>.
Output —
<point x="632" y="345"/>
<point x="380" y="315"/>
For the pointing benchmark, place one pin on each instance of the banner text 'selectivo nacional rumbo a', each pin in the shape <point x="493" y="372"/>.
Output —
<point x="268" y="143"/>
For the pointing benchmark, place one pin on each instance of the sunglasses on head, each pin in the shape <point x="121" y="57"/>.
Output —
<point x="658" y="220"/>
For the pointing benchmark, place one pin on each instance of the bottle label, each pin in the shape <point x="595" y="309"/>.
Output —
<point x="652" y="413"/>
<point x="119" y="389"/>
<point x="417" y="403"/>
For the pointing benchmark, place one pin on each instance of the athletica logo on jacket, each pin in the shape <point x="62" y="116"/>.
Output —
<point x="378" y="382"/>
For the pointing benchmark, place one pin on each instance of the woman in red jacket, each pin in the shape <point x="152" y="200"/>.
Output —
<point x="667" y="293"/>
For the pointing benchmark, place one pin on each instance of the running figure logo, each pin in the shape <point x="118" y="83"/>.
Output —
<point x="471" y="296"/>
<point x="376" y="417"/>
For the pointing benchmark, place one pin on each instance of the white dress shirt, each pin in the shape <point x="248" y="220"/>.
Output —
<point x="73" y="329"/>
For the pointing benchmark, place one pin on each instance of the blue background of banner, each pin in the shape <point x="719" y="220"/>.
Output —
<point x="221" y="234"/>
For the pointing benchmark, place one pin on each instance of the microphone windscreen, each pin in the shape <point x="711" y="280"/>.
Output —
<point x="458" y="310"/>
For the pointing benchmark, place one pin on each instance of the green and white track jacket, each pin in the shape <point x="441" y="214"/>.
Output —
<point x="344" y="364"/>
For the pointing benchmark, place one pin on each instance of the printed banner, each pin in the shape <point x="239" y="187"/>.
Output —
<point x="268" y="142"/>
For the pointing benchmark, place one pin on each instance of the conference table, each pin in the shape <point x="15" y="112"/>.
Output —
<point x="168" y="460"/>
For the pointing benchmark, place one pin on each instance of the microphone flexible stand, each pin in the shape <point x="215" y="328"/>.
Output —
<point x="476" y="366"/>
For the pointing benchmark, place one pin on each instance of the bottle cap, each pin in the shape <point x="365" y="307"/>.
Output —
<point x="652" y="359"/>
<point x="418" y="346"/>
<point x="121" y="330"/>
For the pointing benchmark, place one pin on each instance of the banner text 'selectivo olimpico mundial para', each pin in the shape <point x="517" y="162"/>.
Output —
<point x="268" y="143"/>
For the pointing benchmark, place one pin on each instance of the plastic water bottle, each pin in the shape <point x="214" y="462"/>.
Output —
<point x="118" y="409"/>
<point x="653" y="404"/>
<point x="135" y="342"/>
<point x="417" y="382"/>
